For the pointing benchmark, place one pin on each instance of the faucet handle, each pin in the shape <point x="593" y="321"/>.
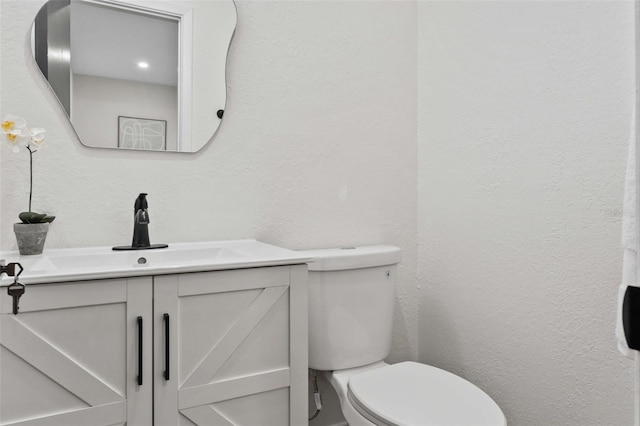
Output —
<point x="141" y="202"/>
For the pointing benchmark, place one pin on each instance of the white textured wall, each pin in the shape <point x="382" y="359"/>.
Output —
<point x="317" y="147"/>
<point x="524" y="112"/>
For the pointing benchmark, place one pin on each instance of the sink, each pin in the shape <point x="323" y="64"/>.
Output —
<point x="102" y="262"/>
<point x="138" y="258"/>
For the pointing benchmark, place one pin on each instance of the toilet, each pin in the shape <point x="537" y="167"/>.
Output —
<point x="351" y="302"/>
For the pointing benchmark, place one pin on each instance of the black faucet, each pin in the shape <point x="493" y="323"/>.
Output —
<point x="141" y="223"/>
<point x="141" y="227"/>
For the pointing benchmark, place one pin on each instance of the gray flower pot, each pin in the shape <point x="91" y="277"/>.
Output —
<point x="31" y="237"/>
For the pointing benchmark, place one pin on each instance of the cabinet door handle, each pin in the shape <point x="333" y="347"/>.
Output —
<point x="139" y="322"/>
<point x="166" y="347"/>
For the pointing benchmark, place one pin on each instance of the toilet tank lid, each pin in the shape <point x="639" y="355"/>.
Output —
<point x="337" y="259"/>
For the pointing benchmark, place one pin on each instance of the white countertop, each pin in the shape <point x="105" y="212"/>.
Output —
<point x="92" y="263"/>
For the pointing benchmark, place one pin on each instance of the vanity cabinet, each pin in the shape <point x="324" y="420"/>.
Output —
<point x="67" y="358"/>
<point x="223" y="347"/>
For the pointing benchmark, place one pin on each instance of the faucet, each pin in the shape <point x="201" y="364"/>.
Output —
<point x="141" y="227"/>
<point x="141" y="223"/>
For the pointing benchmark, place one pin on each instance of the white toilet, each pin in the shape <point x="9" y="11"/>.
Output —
<point x="351" y="300"/>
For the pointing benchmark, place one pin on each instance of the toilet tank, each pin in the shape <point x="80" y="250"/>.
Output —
<point x="351" y="301"/>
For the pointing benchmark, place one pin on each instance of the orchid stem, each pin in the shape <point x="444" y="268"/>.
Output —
<point x="30" y="174"/>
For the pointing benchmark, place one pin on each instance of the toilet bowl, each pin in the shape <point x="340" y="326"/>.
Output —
<point x="351" y="299"/>
<point x="410" y="393"/>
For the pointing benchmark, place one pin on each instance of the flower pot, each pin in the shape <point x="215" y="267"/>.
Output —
<point x="31" y="237"/>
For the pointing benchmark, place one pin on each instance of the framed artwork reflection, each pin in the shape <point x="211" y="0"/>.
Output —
<point x="142" y="133"/>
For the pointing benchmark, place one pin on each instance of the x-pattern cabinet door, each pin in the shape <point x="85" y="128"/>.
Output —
<point x="65" y="360"/>
<point x="235" y="347"/>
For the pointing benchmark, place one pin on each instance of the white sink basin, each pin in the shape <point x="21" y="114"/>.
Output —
<point x="103" y="262"/>
<point x="137" y="258"/>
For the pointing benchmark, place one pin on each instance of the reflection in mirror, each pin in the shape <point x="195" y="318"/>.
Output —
<point x="126" y="73"/>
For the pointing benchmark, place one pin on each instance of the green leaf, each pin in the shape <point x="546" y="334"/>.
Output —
<point x="48" y="218"/>
<point x="32" y="217"/>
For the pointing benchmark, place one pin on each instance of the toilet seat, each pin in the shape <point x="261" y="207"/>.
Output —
<point x="413" y="394"/>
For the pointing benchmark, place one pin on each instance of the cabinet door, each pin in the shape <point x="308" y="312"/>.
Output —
<point x="230" y="336"/>
<point x="70" y="356"/>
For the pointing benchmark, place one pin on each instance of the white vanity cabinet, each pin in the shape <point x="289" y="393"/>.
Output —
<point x="70" y="356"/>
<point x="224" y="347"/>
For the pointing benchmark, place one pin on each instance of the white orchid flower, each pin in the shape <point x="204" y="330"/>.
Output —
<point x="12" y="123"/>
<point x="16" y="138"/>
<point x="37" y="135"/>
<point x="14" y="130"/>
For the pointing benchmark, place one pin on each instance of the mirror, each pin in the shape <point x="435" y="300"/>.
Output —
<point x="137" y="75"/>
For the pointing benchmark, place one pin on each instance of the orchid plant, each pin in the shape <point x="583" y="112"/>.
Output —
<point x="17" y="134"/>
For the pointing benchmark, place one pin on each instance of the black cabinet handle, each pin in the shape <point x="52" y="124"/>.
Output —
<point x="139" y="321"/>
<point x="166" y="347"/>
